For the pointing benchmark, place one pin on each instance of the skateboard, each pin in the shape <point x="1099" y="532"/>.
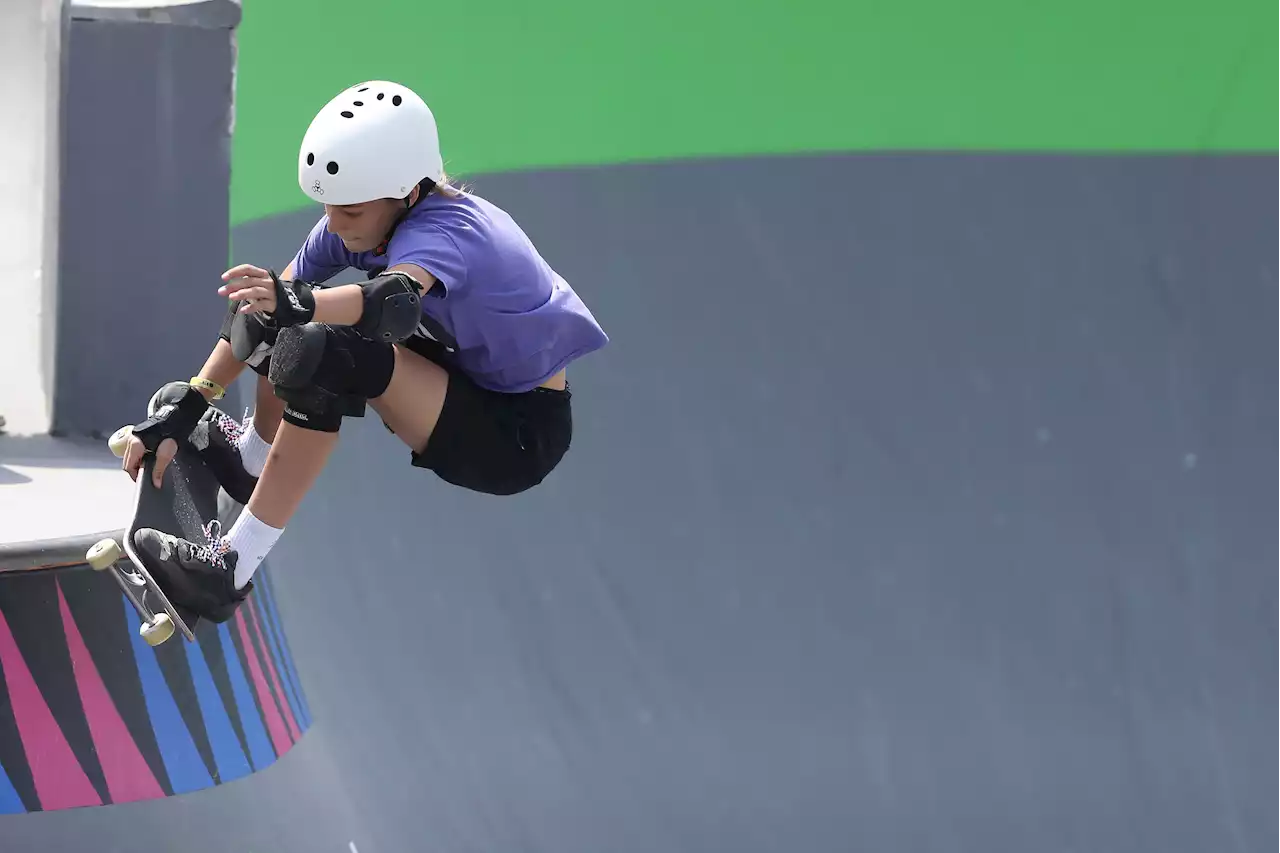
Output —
<point x="186" y="503"/>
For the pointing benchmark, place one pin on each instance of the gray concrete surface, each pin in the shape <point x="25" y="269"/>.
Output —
<point x="57" y="489"/>
<point x="919" y="504"/>
<point x="147" y="119"/>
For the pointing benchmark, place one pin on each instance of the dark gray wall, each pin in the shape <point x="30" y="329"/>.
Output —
<point x="918" y="504"/>
<point x="144" y="210"/>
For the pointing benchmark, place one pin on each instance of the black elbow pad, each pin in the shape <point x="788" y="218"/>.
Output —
<point x="392" y="308"/>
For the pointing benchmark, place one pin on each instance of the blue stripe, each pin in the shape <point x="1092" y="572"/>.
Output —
<point x="227" y="754"/>
<point x="284" y="663"/>
<point x="269" y="628"/>
<point x="9" y="800"/>
<point x="182" y="761"/>
<point x="255" y="731"/>
<point x="273" y="614"/>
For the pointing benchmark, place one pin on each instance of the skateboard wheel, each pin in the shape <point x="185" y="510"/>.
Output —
<point x="103" y="554"/>
<point x="157" y="630"/>
<point x="119" y="441"/>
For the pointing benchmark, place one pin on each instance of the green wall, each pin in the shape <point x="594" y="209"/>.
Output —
<point x="518" y="85"/>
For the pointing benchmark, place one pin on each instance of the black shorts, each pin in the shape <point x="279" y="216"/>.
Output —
<point x="491" y="442"/>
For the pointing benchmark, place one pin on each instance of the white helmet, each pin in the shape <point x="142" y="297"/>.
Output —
<point x="374" y="140"/>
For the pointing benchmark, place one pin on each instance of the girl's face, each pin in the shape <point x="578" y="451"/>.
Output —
<point x="363" y="226"/>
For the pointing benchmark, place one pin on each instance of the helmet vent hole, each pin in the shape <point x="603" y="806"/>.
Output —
<point x="311" y="159"/>
<point x="348" y="114"/>
<point x="358" y="103"/>
<point x="381" y="96"/>
<point x="332" y="168"/>
<point x="396" y="100"/>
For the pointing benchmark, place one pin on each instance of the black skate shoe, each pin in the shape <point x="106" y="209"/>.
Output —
<point x="199" y="576"/>
<point x="216" y="438"/>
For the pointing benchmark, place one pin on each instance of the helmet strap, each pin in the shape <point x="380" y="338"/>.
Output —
<point x="381" y="248"/>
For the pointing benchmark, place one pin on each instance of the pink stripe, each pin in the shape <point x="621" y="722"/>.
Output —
<point x="128" y="776"/>
<point x="271" y="671"/>
<point x="275" y="725"/>
<point x="60" y="781"/>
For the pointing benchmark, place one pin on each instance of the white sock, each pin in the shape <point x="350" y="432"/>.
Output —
<point x="252" y="540"/>
<point x="253" y="450"/>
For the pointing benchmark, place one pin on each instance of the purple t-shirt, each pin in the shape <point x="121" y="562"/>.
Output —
<point x="509" y="319"/>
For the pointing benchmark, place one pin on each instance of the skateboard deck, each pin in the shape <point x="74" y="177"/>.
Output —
<point x="186" y="502"/>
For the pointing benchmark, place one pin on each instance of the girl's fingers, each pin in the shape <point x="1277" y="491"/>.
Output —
<point x="245" y="270"/>
<point x="256" y="299"/>
<point x="256" y="291"/>
<point x="239" y="285"/>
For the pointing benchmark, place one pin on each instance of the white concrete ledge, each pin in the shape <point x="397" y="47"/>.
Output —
<point x="54" y="492"/>
<point x="206" y="14"/>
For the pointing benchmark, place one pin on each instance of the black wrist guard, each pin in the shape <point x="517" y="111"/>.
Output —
<point x="295" y="303"/>
<point x="174" y="412"/>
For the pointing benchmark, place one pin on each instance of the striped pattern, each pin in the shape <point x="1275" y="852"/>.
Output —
<point x="91" y="715"/>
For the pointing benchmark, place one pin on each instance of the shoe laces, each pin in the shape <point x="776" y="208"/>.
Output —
<point x="231" y="429"/>
<point x="214" y="546"/>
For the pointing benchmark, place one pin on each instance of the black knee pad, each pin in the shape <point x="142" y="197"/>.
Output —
<point x="325" y="373"/>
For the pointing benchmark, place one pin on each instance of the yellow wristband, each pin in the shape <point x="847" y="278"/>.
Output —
<point x="208" y="385"/>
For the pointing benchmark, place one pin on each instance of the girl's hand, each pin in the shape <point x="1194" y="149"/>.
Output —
<point x="136" y="453"/>
<point x="251" y="285"/>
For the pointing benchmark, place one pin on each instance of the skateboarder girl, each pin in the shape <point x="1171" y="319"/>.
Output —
<point x="458" y="340"/>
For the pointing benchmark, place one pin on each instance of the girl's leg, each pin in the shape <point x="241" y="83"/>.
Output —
<point x="253" y="440"/>
<point x="268" y="409"/>
<point x="487" y="442"/>
<point x="410" y="406"/>
<point x="286" y="459"/>
<point x="296" y="459"/>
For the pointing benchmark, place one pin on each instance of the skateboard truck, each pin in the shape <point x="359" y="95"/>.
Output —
<point x="156" y="627"/>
